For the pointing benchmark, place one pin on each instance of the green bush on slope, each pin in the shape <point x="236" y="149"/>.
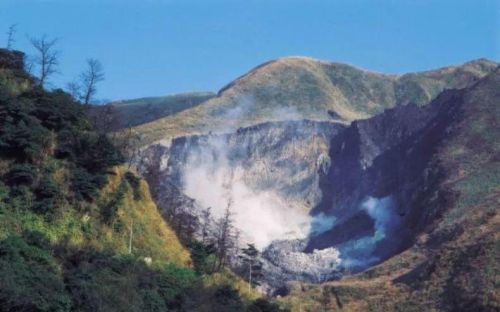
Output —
<point x="30" y="279"/>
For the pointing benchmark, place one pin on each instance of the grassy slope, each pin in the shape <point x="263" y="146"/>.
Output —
<point x="153" y="237"/>
<point x="299" y="87"/>
<point x="454" y="266"/>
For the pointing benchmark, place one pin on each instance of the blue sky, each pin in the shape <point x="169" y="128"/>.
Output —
<point x="158" y="47"/>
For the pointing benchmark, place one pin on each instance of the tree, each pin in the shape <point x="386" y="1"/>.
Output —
<point x="225" y="237"/>
<point x="90" y="78"/>
<point x="264" y="305"/>
<point x="227" y="299"/>
<point x="186" y="225"/>
<point x="47" y="59"/>
<point x="206" y="216"/>
<point x="251" y="265"/>
<point x="75" y="90"/>
<point x="10" y="36"/>
<point x="202" y="256"/>
<point x="128" y="141"/>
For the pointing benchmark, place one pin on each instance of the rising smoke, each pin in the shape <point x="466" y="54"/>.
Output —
<point x="359" y="253"/>
<point x="213" y="176"/>
<point x="261" y="215"/>
<point x="215" y="173"/>
<point x="321" y="223"/>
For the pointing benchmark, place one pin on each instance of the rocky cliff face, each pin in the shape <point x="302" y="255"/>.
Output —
<point x="268" y="174"/>
<point x="382" y="168"/>
<point x="318" y="198"/>
<point x="444" y="180"/>
<point x="265" y="171"/>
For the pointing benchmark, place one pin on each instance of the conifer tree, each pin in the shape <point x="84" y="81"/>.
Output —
<point x="252" y="265"/>
<point x="225" y="237"/>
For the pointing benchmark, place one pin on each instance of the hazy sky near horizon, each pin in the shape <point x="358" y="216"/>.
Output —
<point x="158" y="47"/>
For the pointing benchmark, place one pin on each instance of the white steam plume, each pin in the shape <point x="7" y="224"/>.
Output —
<point x="359" y="252"/>
<point x="213" y="180"/>
<point x="321" y="223"/>
<point x="262" y="216"/>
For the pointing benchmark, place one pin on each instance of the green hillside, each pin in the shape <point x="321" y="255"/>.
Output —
<point x="78" y="231"/>
<point x="300" y="87"/>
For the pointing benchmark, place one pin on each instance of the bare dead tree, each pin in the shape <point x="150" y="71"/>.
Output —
<point x="75" y="89"/>
<point x="11" y="36"/>
<point x="46" y="58"/>
<point x="90" y="78"/>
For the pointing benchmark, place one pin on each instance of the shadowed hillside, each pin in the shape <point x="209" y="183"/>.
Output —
<point x="131" y="113"/>
<point x="453" y="264"/>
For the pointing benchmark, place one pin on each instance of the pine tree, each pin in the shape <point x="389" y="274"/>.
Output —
<point x="205" y="224"/>
<point x="252" y="265"/>
<point x="225" y="237"/>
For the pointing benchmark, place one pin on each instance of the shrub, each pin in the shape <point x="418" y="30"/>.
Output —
<point x="135" y="183"/>
<point x="30" y="279"/>
<point x="20" y="197"/>
<point x="65" y="144"/>
<point x="202" y="256"/>
<point x="264" y="305"/>
<point x="153" y="301"/>
<point x="47" y="206"/>
<point x="36" y="238"/>
<point x="173" y="284"/>
<point x="228" y="299"/>
<point x="21" y="134"/>
<point x="47" y="188"/>
<point x="98" y="282"/>
<point x="58" y="111"/>
<point x="84" y="185"/>
<point x="22" y="174"/>
<point x="96" y="153"/>
<point x="4" y="191"/>
<point x="108" y="211"/>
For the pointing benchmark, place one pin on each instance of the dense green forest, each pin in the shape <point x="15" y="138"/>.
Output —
<point x="78" y="231"/>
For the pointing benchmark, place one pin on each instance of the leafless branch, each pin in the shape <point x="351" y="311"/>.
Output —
<point x="10" y="36"/>
<point x="75" y="89"/>
<point x="46" y="58"/>
<point x="93" y="75"/>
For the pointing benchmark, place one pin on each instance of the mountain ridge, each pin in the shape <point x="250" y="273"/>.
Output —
<point x="304" y="88"/>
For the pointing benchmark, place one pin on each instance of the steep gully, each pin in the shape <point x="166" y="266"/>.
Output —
<point x="320" y="199"/>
